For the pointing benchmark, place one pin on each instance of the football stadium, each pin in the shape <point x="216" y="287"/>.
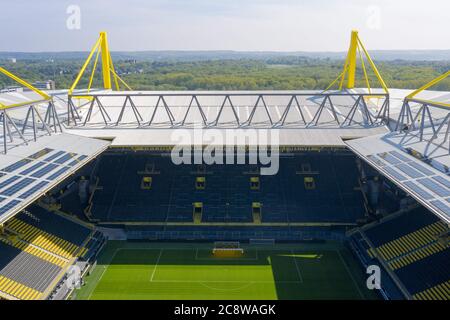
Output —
<point x="112" y="193"/>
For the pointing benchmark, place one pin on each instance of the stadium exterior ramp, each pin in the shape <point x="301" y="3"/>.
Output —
<point x="416" y="155"/>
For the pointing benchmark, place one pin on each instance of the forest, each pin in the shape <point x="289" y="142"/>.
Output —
<point x="277" y="73"/>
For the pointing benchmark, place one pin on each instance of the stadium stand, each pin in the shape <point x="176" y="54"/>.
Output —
<point x="243" y="233"/>
<point x="389" y="289"/>
<point x="309" y="187"/>
<point x="37" y="248"/>
<point x="24" y="275"/>
<point x="315" y="196"/>
<point x="409" y="243"/>
<point x="54" y="224"/>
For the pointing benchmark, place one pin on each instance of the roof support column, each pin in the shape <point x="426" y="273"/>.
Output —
<point x="352" y="60"/>
<point x="106" y="65"/>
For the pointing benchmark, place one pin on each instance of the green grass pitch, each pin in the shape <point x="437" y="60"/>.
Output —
<point x="128" y="270"/>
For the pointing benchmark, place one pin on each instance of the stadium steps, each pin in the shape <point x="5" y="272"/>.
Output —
<point x="417" y="255"/>
<point x="31" y="271"/>
<point x="409" y="242"/>
<point x="34" y="256"/>
<point x="197" y="218"/>
<point x="44" y="240"/>
<point x="29" y="248"/>
<point x="18" y="290"/>
<point x="257" y="219"/>
<point x="439" y="292"/>
<point x="408" y="245"/>
<point x="25" y="269"/>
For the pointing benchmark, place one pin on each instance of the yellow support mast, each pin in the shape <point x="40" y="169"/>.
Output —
<point x="45" y="97"/>
<point x="347" y="78"/>
<point x="106" y="61"/>
<point x="352" y="60"/>
<point x="100" y="49"/>
<point x="412" y="95"/>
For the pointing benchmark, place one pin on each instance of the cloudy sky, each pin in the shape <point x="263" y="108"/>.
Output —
<point x="247" y="25"/>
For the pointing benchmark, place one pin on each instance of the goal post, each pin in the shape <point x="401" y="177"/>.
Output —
<point x="227" y="249"/>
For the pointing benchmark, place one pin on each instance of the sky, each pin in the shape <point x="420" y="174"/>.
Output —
<point x="241" y="25"/>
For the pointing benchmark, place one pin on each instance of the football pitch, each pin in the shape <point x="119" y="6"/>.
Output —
<point x="135" y="270"/>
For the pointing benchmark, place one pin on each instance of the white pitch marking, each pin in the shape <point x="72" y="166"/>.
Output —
<point x="156" y="265"/>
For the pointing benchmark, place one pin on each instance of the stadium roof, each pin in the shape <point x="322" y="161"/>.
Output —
<point x="136" y="121"/>
<point x="28" y="171"/>
<point x="419" y="167"/>
<point x="168" y="137"/>
<point x="301" y="118"/>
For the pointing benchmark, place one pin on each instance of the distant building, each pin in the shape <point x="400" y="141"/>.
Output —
<point x="43" y="85"/>
<point x="12" y="60"/>
<point x="11" y="89"/>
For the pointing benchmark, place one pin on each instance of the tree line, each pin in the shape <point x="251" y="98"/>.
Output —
<point x="283" y="73"/>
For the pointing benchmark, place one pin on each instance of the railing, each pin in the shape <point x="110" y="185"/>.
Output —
<point x="416" y="116"/>
<point x="15" y="124"/>
<point x="343" y="107"/>
<point x="286" y="235"/>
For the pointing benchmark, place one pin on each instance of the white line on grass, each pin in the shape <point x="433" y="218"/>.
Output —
<point x="350" y="274"/>
<point x="196" y="254"/>
<point x="105" y="267"/>
<point x="297" y="267"/>
<point x="97" y="282"/>
<point x="156" y="265"/>
<point x="246" y="285"/>
<point x="225" y="281"/>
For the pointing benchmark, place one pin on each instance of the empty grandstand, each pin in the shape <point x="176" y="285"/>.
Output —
<point x="309" y="187"/>
<point x="88" y="182"/>
<point x="38" y="247"/>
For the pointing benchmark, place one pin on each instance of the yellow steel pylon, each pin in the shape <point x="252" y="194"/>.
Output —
<point x="45" y="97"/>
<point x="356" y="50"/>
<point x="412" y="95"/>
<point x="100" y="48"/>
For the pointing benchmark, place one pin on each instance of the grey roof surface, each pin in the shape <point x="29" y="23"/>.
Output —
<point x="211" y="102"/>
<point x="28" y="171"/>
<point x="426" y="181"/>
<point x="169" y="137"/>
<point x="155" y="127"/>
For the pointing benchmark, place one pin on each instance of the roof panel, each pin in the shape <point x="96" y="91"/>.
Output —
<point x="421" y="179"/>
<point x="23" y="184"/>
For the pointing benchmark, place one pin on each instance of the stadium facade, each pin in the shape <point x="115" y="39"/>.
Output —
<point x="364" y="167"/>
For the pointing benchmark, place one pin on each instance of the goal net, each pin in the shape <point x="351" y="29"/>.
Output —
<point x="227" y="249"/>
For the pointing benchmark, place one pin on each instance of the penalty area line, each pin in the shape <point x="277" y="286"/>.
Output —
<point x="156" y="264"/>
<point x="297" y="267"/>
<point x="350" y="274"/>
